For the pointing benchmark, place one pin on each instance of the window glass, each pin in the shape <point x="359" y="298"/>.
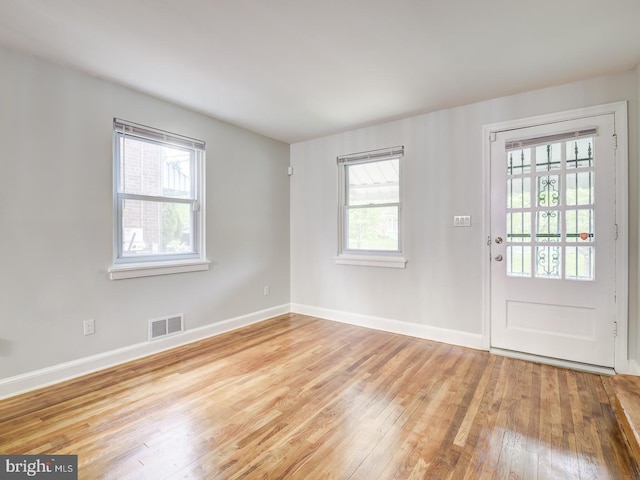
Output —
<point x="371" y="204"/>
<point x="157" y="197"/>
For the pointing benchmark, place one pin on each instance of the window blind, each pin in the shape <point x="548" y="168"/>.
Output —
<point x="371" y="155"/>
<point x="149" y="133"/>
<point x="536" y="141"/>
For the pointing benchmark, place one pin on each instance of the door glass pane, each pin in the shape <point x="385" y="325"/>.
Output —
<point x="548" y="190"/>
<point x="549" y="157"/>
<point x="580" y="188"/>
<point x="580" y="225"/>
<point x="519" y="227"/>
<point x="580" y="153"/>
<point x="519" y="162"/>
<point x="518" y="261"/>
<point x="519" y="192"/>
<point x="548" y="261"/>
<point x="548" y="226"/>
<point x="580" y="263"/>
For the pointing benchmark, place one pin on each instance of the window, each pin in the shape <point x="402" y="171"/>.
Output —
<point x="158" y="202"/>
<point x="371" y="208"/>
<point x="551" y="207"/>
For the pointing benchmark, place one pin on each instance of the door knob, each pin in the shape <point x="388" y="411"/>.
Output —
<point x="498" y="258"/>
<point x="498" y="240"/>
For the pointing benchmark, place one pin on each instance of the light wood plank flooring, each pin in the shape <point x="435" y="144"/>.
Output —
<point x="627" y="406"/>
<point x="303" y="398"/>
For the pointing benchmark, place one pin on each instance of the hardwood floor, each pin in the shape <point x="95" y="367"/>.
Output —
<point x="627" y="406"/>
<point x="303" y="398"/>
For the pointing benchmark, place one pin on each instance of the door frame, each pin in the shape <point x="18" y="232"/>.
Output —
<point x="619" y="110"/>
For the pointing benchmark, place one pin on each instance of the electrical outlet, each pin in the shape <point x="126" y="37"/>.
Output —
<point x="89" y="327"/>
<point x="266" y="290"/>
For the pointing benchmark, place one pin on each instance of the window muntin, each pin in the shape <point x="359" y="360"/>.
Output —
<point x="371" y="203"/>
<point x="158" y="196"/>
<point x="555" y="201"/>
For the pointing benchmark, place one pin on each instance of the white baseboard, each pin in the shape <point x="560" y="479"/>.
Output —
<point x="12" y="386"/>
<point x="26" y="382"/>
<point x="454" y="337"/>
<point x="632" y="368"/>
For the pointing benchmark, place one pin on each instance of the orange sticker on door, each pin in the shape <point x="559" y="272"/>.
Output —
<point x="584" y="236"/>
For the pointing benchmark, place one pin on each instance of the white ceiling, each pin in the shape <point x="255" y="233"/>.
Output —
<point x="298" y="69"/>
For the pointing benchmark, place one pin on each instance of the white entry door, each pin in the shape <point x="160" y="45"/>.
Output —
<point x="553" y="234"/>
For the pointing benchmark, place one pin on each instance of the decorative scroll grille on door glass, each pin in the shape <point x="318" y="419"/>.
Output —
<point x="550" y="210"/>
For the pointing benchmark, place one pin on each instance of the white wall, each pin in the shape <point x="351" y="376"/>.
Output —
<point x="634" y="237"/>
<point x="443" y="173"/>
<point x="56" y="219"/>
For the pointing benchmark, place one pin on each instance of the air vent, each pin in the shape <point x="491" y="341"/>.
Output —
<point x="163" y="327"/>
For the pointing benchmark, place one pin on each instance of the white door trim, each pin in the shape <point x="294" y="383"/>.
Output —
<point x="619" y="109"/>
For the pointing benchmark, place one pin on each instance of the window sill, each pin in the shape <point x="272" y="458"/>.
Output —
<point x="372" y="261"/>
<point x="136" y="270"/>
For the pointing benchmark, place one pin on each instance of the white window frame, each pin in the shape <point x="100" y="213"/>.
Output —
<point x="158" y="264"/>
<point x="370" y="258"/>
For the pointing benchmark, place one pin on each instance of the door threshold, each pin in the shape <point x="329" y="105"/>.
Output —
<point x="556" y="362"/>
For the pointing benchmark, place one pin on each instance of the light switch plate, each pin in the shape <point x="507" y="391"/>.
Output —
<point x="462" y="221"/>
